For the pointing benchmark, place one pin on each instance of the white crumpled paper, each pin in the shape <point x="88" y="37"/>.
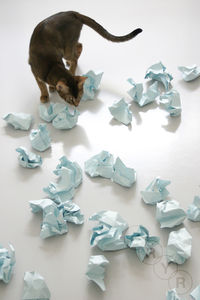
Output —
<point x="189" y="73"/>
<point x="120" y="111"/>
<point x="169" y="214"/>
<point x="96" y="270"/>
<point x="40" y="138"/>
<point x="193" y="212"/>
<point x="35" y="287"/>
<point x="108" y="234"/>
<point x="179" y="246"/>
<point x="7" y="262"/>
<point x="28" y="159"/>
<point x="20" y="121"/>
<point x="158" y="72"/>
<point x="156" y="191"/>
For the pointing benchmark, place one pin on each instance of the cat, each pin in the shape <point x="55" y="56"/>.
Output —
<point x="55" y="38"/>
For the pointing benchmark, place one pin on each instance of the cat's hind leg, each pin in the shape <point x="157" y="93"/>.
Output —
<point x="74" y="61"/>
<point x="79" y="49"/>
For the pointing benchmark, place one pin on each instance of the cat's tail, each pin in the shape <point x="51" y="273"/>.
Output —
<point x="103" y="32"/>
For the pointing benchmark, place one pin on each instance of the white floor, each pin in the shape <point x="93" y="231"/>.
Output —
<point x="155" y="145"/>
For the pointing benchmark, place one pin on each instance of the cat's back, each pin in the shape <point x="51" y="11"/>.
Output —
<point x="55" y="27"/>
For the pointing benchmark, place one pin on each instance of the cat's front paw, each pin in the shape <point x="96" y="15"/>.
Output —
<point x="44" y="98"/>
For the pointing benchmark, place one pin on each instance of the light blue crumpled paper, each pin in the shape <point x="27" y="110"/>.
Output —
<point x="120" y="111"/>
<point x="69" y="177"/>
<point x="169" y="214"/>
<point x="73" y="166"/>
<point x="53" y="221"/>
<point x="142" y="242"/>
<point x="123" y="175"/>
<point x="156" y="191"/>
<point x="64" y="188"/>
<point x="96" y="270"/>
<point x="172" y="295"/>
<point x="100" y="165"/>
<point x="7" y="262"/>
<point x="66" y="119"/>
<point x="136" y="91"/>
<point x="48" y="113"/>
<point x="193" y="212"/>
<point x="91" y="85"/>
<point x="71" y="212"/>
<point x="172" y="103"/>
<point x="20" y="121"/>
<point x="141" y="98"/>
<point x="108" y="234"/>
<point x="28" y="159"/>
<point x="189" y="73"/>
<point x="40" y="138"/>
<point x="35" y="287"/>
<point x="179" y="246"/>
<point x="195" y="294"/>
<point x="158" y="72"/>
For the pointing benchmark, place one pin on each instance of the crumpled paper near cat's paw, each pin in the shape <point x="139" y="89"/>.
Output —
<point x="91" y="85"/>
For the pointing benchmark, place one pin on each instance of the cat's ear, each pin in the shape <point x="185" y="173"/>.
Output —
<point x="81" y="80"/>
<point x="62" y="87"/>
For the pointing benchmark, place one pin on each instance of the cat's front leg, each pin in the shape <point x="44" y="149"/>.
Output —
<point x="43" y="88"/>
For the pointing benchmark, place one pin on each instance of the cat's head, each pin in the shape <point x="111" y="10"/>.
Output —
<point x="71" y="91"/>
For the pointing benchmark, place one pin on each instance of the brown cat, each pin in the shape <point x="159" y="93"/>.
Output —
<point x="56" y="38"/>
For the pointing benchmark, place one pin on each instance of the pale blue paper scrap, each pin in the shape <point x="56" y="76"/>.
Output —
<point x="64" y="189"/>
<point x="96" y="270"/>
<point x="108" y="234"/>
<point x="66" y="119"/>
<point x="189" y="73"/>
<point x="73" y="166"/>
<point x="71" y="212"/>
<point x="107" y="239"/>
<point x="123" y="175"/>
<point x="142" y="242"/>
<point x="150" y="95"/>
<point x="120" y="111"/>
<point x="169" y="214"/>
<point x="40" y="138"/>
<point x="28" y="159"/>
<point x="48" y="113"/>
<point x="156" y="191"/>
<point x="193" y="212"/>
<point x="172" y="295"/>
<point x="100" y="165"/>
<point x="172" y="102"/>
<point x="179" y="246"/>
<point x="7" y="262"/>
<point x="53" y="221"/>
<point x="141" y="98"/>
<point x="195" y="294"/>
<point x="20" y="121"/>
<point x="35" y="287"/>
<point x="136" y="91"/>
<point x="158" y="72"/>
<point x="110" y="219"/>
<point x="91" y="85"/>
